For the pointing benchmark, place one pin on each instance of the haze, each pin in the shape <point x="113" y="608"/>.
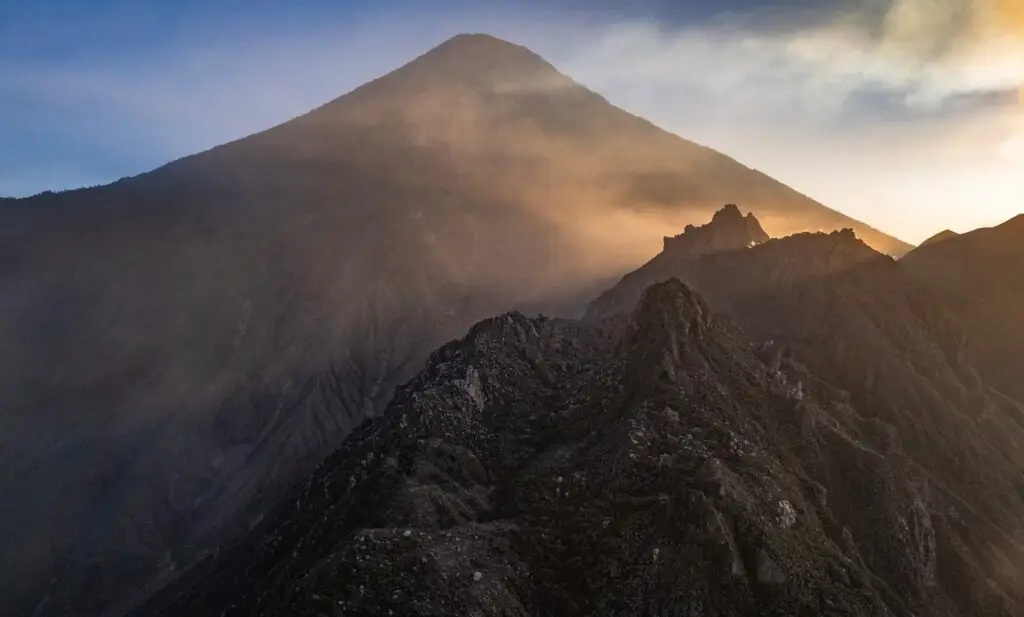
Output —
<point x="902" y="113"/>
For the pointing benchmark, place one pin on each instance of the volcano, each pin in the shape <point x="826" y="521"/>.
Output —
<point x="182" y="345"/>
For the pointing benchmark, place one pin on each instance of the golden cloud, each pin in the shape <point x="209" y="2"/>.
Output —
<point x="1006" y="15"/>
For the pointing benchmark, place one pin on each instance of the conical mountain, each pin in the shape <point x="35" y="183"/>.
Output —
<point x="179" y="345"/>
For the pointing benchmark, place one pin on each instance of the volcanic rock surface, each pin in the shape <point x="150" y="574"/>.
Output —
<point x="654" y="462"/>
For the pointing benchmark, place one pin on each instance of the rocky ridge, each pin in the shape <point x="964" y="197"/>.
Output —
<point x="809" y="441"/>
<point x="643" y="465"/>
<point x="873" y="338"/>
<point x="728" y="230"/>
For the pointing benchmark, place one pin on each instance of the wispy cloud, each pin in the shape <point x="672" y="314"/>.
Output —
<point x="903" y="113"/>
<point x="916" y="56"/>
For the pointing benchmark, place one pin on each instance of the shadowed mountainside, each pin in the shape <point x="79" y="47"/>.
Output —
<point x="653" y="462"/>
<point x="980" y="277"/>
<point x="181" y="345"/>
<point x="942" y="236"/>
<point x="875" y="339"/>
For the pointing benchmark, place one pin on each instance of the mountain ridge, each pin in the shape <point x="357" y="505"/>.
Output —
<point x="942" y="236"/>
<point x="290" y="281"/>
<point x="629" y="464"/>
<point x="565" y="502"/>
<point x="978" y="275"/>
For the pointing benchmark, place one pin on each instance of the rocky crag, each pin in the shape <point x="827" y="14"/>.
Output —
<point x="810" y="440"/>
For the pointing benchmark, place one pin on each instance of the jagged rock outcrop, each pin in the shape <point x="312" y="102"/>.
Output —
<point x="645" y="464"/>
<point x="728" y="230"/>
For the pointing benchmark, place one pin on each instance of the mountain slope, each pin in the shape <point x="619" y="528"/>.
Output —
<point x="641" y="464"/>
<point x="179" y="346"/>
<point x="942" y="236"/>
<point x="871" y="337"/>
<point x="980" y="276"/>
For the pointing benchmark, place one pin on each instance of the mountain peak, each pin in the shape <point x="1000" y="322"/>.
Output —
<point x="728" y="212"/>
<point x="672" y="306"/>
<point x="484" y="58"/>
<point x="942" y="236"/>
<point x="478" y="41"/>
<point x="1016" y="222"/>
<point x="728" y="230"/>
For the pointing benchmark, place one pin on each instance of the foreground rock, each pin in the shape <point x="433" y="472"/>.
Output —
<point x="644" y="464"/>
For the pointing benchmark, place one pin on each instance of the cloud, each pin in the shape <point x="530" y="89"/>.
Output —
<point x="918" y="55"/>
<point x="903" y="113"/>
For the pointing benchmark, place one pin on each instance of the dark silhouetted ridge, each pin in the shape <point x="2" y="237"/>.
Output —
<point x="980" y="276"/>
<point x="1016" y="224"/>
<point x="737" y="244"/>
<point x="939" y="237"/>
<point x="728" y="230"/>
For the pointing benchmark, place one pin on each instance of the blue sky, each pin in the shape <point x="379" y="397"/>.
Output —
<point x="903" y="113"/>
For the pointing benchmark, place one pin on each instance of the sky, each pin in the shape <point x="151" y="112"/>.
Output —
<point x="906" y="114"/>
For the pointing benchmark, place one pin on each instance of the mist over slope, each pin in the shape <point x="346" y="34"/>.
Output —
<point x="181" y="345"/>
